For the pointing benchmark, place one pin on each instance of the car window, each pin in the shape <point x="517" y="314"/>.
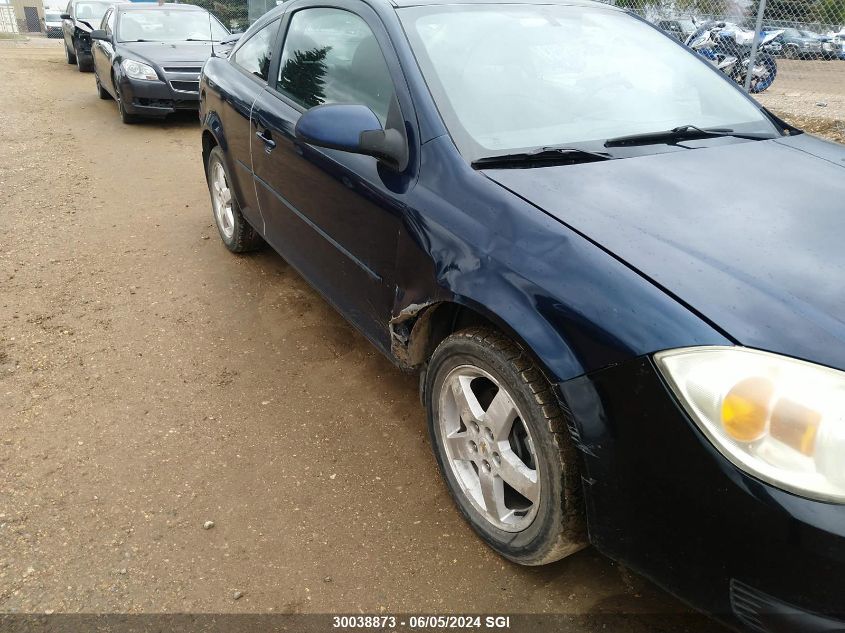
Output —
<point x="332" y="56"/>
<point x="168" y="26"/>
<point x="519" y="77"/>
<point x="91" y="12"/>
<point x="256" y="53"/>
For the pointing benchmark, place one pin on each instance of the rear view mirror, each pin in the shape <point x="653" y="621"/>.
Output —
<point x="99" y="34"/>
<point x="65" y="16"/>
<point x="355" y="129"/>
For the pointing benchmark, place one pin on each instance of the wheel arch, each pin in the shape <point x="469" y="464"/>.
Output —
<point x="419" y="328"/>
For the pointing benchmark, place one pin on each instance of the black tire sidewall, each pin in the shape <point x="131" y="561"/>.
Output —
<point x="533" y="541"/>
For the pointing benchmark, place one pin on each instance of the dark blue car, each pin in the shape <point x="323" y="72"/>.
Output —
<point x="619" y="278"/>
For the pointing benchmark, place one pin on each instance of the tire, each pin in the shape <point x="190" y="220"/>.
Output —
<point x="235" y="231"/>
<point x="70" y="58"/>
<point x="791" y="52"/>
<point x="760" y="84"/>
<point x="101" y="92"/>
<point x="126" y="117"/>
<point x="490" y="371"/>
<point x="81" y="66"/>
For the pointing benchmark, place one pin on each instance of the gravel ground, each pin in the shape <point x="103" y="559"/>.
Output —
<point x="183" y="430"/>
<point x="810" y="94"/>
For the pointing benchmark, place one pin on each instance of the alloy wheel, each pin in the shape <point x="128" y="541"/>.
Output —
<point x="221" y="196"/>
<point x="489" y="448"/>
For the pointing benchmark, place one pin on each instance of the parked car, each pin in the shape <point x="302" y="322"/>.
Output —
<point x="800" y="44"/>
<point x="830" y="48"/>
<point x="148" y="57"/>
<point x="53" y="23"/>
<point x="605" y="263"/>
<point x="679" y="29"/>
<point x="81" y="18"/>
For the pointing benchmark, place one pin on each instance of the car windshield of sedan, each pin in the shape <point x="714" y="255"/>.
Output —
<point x="168" y="26"/>
<point x="91" y="12"/>
<point x="52" y="16"/>
<point x="519" y="77"/>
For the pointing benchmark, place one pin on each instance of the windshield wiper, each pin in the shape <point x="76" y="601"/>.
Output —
<point x="198" y="39"/>
<point x="680" y="133"/>
<point x="543" y="155"/>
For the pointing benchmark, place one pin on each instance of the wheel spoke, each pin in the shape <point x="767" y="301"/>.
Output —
<point x="459" y="446"/>
<point x="519" y="476"/>
<point x="467" y="403"/>
<point x="500" y="415"/>
<point x="493" y="494"/>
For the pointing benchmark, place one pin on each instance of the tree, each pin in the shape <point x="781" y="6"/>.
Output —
<point x="303" y="76"/>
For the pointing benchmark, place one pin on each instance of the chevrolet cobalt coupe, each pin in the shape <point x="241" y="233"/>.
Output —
<point x="148" y="57"/>
<point x="619" y="277"/>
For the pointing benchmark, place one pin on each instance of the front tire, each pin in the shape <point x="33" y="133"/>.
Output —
<point x="101" y="92"/>
<point x="125" y="116"/>
<point x="235" y="231"/>
<point x="70" y="58"/>
<point x="503" y="447"/>
<point x="81" y="66"/>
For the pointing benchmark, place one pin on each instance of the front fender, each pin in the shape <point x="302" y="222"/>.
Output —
<point x="575" y="306"/>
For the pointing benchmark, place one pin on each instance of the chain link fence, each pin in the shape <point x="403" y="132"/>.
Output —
<point x="789" y="53"/>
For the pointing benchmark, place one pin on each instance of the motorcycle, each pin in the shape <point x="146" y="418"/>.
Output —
<point x="728" y="47"/>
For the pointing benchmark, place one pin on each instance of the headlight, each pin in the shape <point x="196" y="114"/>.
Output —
<point x="777" y="418"/>
<point x="138" y="70"/>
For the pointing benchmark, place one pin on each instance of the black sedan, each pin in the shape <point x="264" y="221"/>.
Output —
<point x="82" y="17"/>
<point x="148" y="57"/>
<point x="618" y="276"/>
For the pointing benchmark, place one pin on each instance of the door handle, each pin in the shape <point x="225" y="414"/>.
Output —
<point x="269" y="143"/>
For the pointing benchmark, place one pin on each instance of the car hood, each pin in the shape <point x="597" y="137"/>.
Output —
<point x="167" y="52"/>
<point x="84" y="25"/>
<point x="750" y="235"/>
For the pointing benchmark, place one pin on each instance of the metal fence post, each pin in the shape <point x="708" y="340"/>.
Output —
<point x="755" y="44"/>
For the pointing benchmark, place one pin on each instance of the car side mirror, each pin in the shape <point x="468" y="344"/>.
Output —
<point x="99" y="34"/>
<point x="355" y="129"/>
<point x="65" y="16"/>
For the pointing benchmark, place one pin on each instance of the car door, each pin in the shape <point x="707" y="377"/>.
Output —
<point x="334" y="215"/>
<point x="67" y="26"/>
<point x="103" y="52"/>
<point x="245" y="77"/>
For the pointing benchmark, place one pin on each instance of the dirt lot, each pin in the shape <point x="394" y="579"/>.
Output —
<point x="151" y="382"/>
<point x="811" y="95"/>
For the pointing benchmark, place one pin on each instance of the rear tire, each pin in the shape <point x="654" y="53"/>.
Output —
<point x="237" y="234"/>
<point x="502" y="443"/>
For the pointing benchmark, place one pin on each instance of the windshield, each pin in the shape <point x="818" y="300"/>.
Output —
<point x="91" y="12"/>
<point x="168" y="26"/>
<point x="513" y="77"/>
<point x="52" y="16"/>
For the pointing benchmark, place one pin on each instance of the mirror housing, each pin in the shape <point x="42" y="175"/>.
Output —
<point x="65" y="16"/>
<point x="355" y="129"/>
<point x="99" y="34"/>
